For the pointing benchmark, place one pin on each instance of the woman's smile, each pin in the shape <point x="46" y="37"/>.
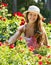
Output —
<point x="32" y="17"/>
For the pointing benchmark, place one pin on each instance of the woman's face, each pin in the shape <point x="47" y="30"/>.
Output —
<point x="32" y="17"/>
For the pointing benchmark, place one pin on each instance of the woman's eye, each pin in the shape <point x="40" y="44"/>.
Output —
<point x="30" y="14"/>
<point x="34" y="15"/>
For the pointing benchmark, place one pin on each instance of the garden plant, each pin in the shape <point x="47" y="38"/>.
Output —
<point x="20" y="54"/>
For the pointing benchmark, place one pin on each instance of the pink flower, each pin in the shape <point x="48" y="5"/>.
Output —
<point x="20" y="38"/>
<point x="40" y="63"/>
<point x="11" y="46"/>
<point x="31" y="48"/>
<point x="1" y="44"/>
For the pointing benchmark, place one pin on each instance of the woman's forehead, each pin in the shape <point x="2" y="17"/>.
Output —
<point x="33" y="13"/>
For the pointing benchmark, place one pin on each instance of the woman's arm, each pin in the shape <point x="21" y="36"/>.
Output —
<point x="16" y="35"/>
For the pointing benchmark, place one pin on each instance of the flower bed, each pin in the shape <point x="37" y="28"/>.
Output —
<point x="8" y="22"/>
<point x="22" y="55"/>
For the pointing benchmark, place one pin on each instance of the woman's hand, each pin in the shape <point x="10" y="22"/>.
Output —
<point x="6" y="43"/>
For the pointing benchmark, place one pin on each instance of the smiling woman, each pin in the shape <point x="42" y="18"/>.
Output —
<point x="32" y="17"/>
<point x="34" y="32"/>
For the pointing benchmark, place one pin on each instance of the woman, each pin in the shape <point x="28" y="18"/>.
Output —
<point x="34" y="32"/>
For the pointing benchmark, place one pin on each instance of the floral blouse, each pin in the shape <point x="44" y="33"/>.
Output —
<point x="32" y="42"/>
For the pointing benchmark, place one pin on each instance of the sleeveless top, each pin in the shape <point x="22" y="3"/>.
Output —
<point x="31" y="41"/>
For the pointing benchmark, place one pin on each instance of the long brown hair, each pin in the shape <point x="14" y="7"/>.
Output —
<point x="37" y="27"/>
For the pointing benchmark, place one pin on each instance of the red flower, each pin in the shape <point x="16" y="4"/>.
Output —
<point x="19" y="14"/>
<point x="11" y="46"/>
<point x="22" y="22"/>
<point x="4" y="19"/>
<point x="0" y="17"/>
<point x="48" y="62"/>
<point x="48" y="46"/>
<point x="20" y="38"/>
<point x="1" y="44"/>
<point x="15" y="14"/>
<point x="40" y="63"/>
<point x="39" y="56"/>
<point x="49" y="56"/>
<point x="31" y="48"/>
<point x="4" y="4"/>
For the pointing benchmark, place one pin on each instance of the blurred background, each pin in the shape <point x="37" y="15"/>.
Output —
<point x="22" y="5"/>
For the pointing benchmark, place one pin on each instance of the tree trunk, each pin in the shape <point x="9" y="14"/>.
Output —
<point x="14" y="6"/>
<point x="49" y="7"/>
<point x="49" y="4"/>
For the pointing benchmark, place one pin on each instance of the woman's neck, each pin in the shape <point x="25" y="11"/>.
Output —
<point x="31" y="24"/>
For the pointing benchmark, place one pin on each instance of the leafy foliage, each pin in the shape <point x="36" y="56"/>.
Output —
<point x="9" y="24"/>
<point x="48" y="29"/>
<point x="10" y="55"/>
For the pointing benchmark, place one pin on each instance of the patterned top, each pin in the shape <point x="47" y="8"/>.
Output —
<point x="32" y="42"/>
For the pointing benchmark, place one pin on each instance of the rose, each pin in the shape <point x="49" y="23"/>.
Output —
<point x="19" y="14"/>
<point x="22" y="23"/>
<point x="40" y="63"/>
<point x="4" y="4"/>
<point x="1" y="44"/>
<point x="20" y="38"/>
<point x="31" y="48"/>
<point x="11" y="46"/>
<point x="39" y="56"/>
